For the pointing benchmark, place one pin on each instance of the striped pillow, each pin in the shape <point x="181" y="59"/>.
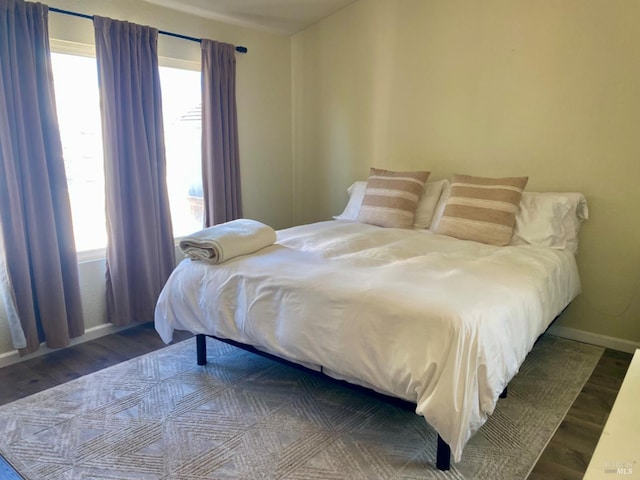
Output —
<point x="482" y="209"/>
<point x="391" y="198"/>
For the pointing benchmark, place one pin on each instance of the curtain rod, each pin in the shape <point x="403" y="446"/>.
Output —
<point x="170" y="34"/>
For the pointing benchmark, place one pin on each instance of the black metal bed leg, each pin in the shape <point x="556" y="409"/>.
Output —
<point x="201" y="349"/>
<point x="504" y="392"/>
<point x="443" y="455"/>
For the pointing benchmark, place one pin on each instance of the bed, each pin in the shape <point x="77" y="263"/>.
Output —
<point x="438" y="321"/>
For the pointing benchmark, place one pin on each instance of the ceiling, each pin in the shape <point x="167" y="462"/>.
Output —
<point x="284" y="17"/>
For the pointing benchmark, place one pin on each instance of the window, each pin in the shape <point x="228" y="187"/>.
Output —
<point x="181" y="109"/>
<point x="78" y="106"/>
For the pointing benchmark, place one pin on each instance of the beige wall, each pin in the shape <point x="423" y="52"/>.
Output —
<point x="264" y="116"/>
<point x="548" y="89"/>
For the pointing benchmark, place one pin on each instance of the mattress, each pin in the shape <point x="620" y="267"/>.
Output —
<point x="441" y="322"/>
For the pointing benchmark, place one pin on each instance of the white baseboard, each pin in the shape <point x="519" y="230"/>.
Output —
<point x="9" y="358"/>
<point x="594" y="339"/>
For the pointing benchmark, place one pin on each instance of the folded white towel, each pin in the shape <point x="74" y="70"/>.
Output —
<point x="225" y="241"/>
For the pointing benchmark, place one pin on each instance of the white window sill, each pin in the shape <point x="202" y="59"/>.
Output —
<point x="92" y="255"/>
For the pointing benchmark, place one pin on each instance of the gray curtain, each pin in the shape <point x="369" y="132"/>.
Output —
<point x="40" y="274"/>
<point x="220" y="157"/>
<point x="140" y="249"/>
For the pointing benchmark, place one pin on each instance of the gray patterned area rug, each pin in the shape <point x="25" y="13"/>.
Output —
<point x="160" y="416"/>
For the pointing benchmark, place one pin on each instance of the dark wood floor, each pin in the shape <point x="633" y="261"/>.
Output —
<point x="571" y="448"/>
<point x="566" y="456"/>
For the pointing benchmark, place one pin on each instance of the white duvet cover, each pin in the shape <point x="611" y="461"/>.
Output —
<point x="438" y="321"/>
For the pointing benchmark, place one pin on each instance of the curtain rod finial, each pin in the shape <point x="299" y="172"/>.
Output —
<point x="242" y="49"/>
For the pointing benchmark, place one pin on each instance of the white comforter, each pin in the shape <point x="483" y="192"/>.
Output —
<point x="441" y="322"/>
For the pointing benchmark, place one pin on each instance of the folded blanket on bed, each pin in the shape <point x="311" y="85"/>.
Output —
<point x="225" y="241"/>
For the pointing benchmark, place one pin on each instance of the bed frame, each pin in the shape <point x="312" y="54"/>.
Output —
<point x="443" y="451"/>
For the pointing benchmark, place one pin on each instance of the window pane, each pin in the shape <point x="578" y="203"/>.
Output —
<point x="181" y="107"/>
<point x="78" y="105"/>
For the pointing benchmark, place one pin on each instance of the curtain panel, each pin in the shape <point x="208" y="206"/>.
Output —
<point x="220" y="153"/>
<point x="40" y="274"/>
<point x="140" y="249"/>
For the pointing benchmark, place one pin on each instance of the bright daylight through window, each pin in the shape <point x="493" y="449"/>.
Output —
<point x="181" y="108"/>
<point x="78" y="105"/>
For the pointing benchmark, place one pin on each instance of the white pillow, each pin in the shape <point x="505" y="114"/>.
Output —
<point x="550" y="219"/>
<point x="356" y="194"/>
<point x="539" y="221"/>
<point x="427" y="204"/>
<point x="439" y="209"/>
